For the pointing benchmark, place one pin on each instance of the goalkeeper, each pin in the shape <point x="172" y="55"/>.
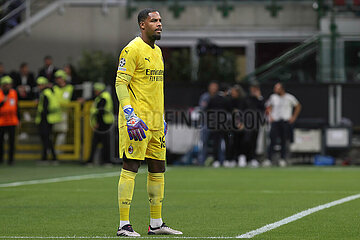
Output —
<point x="142" y="129"/>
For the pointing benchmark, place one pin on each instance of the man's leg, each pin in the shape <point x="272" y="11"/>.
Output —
<point x="43" y="132"/>
<point x="11" y="132"/>
<point x="94" y="142"/>
<point x="155" y="189"/>
<point x="51" y="143"/>
<point x="126" y="188"/>
<point x="284" y="138"/>
<point x="253" y="135"/>
<point x="203" y="149"/>
<point x="274" y="133"/>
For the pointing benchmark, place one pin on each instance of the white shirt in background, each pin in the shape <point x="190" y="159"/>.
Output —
<point x="282" y="106"/>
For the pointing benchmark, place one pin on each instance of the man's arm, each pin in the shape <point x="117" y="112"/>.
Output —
<point x="122" y="80"/>
<point x="135" y="125"/>
<point x="296" y="113"/>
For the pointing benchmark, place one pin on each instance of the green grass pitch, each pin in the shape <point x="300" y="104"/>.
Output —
<point x="201" y="202"/>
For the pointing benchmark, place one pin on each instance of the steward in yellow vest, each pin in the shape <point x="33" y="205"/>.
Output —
<point x="48" y="113"/>
<point x="63" y="90"/>
<point x="102" y="118"/>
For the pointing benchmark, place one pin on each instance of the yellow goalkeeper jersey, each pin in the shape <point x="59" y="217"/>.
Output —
<point x="145" y="65"/>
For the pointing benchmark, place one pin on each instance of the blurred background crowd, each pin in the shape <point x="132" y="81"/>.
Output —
<point x="247" y="83"/>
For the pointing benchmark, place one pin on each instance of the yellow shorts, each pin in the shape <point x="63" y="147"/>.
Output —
<point x="153" y="146"/>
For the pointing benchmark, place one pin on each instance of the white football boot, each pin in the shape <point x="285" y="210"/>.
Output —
<point x="163" y="230"/>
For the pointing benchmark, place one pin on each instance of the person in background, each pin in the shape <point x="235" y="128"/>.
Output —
<point x="73" y="79"/>
<point x="236" y="143"/>
<point x="2" y="70"/>
<point x="102" y="118"/>
<point x="9" y="117"/>
<point x="63" y="89"/>
<point x="48" y="70"/>
<point x="256" y="104"/>
<point x="64" y="94"/>
<point x="24" y="82"/>
<point x="72" y="76"/>
<point x="283" y="110"/>
<point x="217" y="115"/>
<point x="48" y="113"/>
<point x="213" y="89"/>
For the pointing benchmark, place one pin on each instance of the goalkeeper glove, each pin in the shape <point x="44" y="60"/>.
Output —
<point x="135" y="126"/>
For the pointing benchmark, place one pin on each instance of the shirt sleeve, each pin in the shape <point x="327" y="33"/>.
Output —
<point x="270" y="101"/>
<point x="126" y="69"/>
<point x="293" y="100"/>
<point x="127" y="61"/>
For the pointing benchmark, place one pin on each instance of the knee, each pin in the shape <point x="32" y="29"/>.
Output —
<point x="131" y="165"/>
<point x="156" y="166"/>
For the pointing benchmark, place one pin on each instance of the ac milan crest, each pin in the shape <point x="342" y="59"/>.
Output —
<point x="130" y="149"/>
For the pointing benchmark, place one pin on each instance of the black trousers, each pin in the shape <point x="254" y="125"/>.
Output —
<point x="218" y="138"/>
<point x="244" y="142"/>
<point x="250" y="142"/>
<point x="45" y="131"/>
<point x="102" y="137"/>
<point x="279" y="130"/>
<point x="236" y="147"/>
<point x="10" y="130"/>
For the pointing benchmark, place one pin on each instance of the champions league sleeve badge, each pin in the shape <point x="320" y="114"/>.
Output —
<point x="122" y="63"/>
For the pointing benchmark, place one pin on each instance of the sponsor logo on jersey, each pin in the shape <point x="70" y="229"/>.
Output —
<point x="121" y="69"/>
<point x="155" y="74"/>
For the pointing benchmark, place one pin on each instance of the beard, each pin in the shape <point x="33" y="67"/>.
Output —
<point x="156" y="37"/>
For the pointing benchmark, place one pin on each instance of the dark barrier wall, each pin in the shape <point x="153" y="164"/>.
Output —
<point x="351" y="102"/>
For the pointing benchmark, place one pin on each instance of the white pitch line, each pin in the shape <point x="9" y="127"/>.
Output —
<point x="60" y="179"/>
<point x="107" y="237"/>
<point x="297" y="216"/>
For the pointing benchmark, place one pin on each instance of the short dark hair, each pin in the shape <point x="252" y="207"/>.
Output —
<point x="282" y="85"/>
<point x="24" y="64"/>
<point x="143" y="14"/>
<point x="47" y="57"/>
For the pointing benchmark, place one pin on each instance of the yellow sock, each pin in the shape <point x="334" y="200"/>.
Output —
<point x="125" y="193"/>
<point x="155" y="188"/>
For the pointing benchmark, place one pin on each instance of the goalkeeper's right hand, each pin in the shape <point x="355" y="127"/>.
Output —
<point x="135" y="125"/>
